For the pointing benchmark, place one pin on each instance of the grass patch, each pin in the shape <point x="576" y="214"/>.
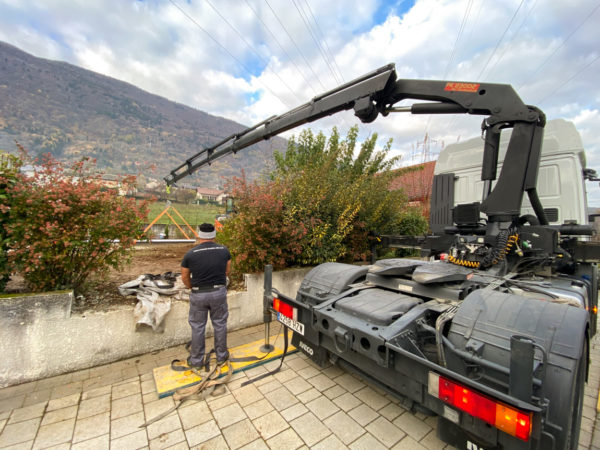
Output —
<point x="193" y="214"/>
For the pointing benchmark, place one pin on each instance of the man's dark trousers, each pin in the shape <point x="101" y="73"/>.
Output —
<point x="200" y="305"/>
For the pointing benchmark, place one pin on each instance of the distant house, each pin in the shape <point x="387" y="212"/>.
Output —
<point x="211" y="195"/>
<point x="416" y="182"/>
<point x="110" y="181"/>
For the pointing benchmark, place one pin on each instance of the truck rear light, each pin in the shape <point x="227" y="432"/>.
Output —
<point x="285" y="309"/>
<point x="506" y="418"/>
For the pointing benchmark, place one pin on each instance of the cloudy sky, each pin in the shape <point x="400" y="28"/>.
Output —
<point x="249" y="59"/>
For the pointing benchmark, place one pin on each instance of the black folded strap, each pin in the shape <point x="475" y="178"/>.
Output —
<point x="272" y="372"/>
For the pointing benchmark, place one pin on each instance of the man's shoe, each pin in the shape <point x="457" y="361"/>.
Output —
<point x="192" y="366"/>
<point x="220" y="362"/>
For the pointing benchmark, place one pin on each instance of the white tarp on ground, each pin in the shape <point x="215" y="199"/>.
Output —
<point x="153" y="293"/>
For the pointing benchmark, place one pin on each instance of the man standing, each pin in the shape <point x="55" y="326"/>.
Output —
<point x="204" y="270"/>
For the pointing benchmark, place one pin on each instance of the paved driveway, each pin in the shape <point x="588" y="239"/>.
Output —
<point x="302" y="406"/>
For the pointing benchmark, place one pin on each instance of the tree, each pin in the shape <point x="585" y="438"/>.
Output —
<point x="329" y="197"/>
<point x="65" y="226"/>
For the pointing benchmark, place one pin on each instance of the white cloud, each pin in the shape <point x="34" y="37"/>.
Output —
<point x="156" y="46"/>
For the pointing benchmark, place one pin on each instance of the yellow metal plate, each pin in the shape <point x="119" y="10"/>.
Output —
<point x="167" y="380"/>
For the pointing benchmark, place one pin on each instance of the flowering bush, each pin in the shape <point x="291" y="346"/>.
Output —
<point x="261" y="231"/>
<point x="64" y="225"/>
<point x="319" y="204"/>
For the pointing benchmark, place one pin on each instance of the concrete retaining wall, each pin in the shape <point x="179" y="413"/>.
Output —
<point x="39" y="337"/>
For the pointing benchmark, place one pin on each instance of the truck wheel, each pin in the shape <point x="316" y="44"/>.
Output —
<point x="566" y="401"/>
<point x="577" y="400"/>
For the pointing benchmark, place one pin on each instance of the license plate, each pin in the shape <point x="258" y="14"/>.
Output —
<point x="290" y="323"/>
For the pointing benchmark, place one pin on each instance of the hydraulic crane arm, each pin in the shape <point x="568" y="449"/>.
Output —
<point x="377" y="92"/>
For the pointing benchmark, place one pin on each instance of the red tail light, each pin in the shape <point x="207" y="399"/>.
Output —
<point x="285" y="309"/>
<point x="506" y="418"/>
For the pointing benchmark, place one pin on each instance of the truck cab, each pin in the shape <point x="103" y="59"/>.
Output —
<point x="560" y="184"/>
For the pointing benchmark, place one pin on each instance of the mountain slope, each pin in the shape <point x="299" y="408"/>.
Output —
<point x="51" y="106"/>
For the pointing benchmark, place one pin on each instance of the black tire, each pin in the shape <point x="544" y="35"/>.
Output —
<point x="577" y="399"/>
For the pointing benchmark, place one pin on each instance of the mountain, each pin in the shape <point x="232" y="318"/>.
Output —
<point x="56" y="107"/>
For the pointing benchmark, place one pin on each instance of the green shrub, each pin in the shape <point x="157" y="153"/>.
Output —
<point x="320" y="204"/>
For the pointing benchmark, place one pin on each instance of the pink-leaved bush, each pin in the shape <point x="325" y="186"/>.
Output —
<point x="64" y="224"/>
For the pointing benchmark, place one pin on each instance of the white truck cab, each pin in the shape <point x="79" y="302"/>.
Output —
<point x="560" y="184"/>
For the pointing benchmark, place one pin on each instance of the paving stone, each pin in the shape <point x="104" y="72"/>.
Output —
<point x="28" y="412"/>
<point x="21" y="446"/>
<point x="202" y="433"/>
<point x="285" y="374"/>
<point x="247" y="395"/>
<point x="216" y="443"/>
<point x="97" y="443"/>
<point x="94" y="406"/>
<point x="53" y="434"/>
<point x="309" y="395"/>
<point x="308" y="372"/>
<point x="270" y="424"/>
<point x="258" y="444"/>
<point x="17" y="390"/>
<point x="162" y="426"/>
<point x="310" y="429"/>
<point x="322" y="407"/>
<point x="287" y="439"/>
<point x="258" y="409"/>
<point x="346" y="401"/>
<point x="19" y="432"/>
<point x="334" y="392"/>
<point x="53" y="382"/>
<point x="229" y="415"/>
<point x="415" y="428"/>
<point x="91" y="427"/>
<point x="431" y="441"/>
<point x="385" y="431"/>
<point x="331" y="442"/>
<point x="269" y="386"/>
<point x="80" y="375"/>
<point x="59" y="415"/>
<point x="240" y="434"/>
<point x="130" y="442"/>
<point x="321" y="382"/>
<point x="172" y="440"/>
<point x="36" y="397"/>
<point x="349" y="383"/>
<point x="282" y="398"/>
<point x="367" y="442"/>
<point x="408" y="443"/>
<point x="148" y="387"/>
<point x="126" y="425"/>
<point x="11" y="403"/>
<point x="127" y="389"/>
<point x="292" y="412"/>
<point x="96" y="392"/>
<point x="371" y="398"/>
<point x="67" y="390"/>
<point x="296" y="364"/>
<point x="344" y="427"/>
<point x="194" y="414"/>
<point x="215" y="403"/>
<point x="391" y="411"/>
<point x="128" y="405"/>
<point x="63" y="402"/>
<point x="363" y="414"/>
<point x="298" y="385"/>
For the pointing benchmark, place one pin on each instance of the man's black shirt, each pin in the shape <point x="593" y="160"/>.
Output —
<point x="207" y="263"/>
